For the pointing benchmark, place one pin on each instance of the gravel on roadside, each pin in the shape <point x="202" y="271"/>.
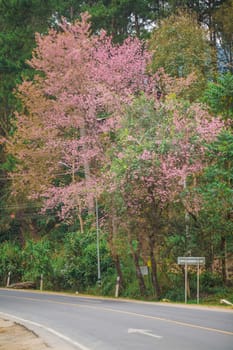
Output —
<point x="14" y="336"/>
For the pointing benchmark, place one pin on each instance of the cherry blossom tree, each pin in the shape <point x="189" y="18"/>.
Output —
<point x="74" y="101"/>
<point x="161" y="151"/>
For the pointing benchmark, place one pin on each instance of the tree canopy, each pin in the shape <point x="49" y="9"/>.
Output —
<point x="118" y="125"/>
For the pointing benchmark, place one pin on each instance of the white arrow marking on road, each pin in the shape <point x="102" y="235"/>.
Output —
<point x="144" y="332"/>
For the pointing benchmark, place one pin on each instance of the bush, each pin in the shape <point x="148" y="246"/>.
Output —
<point x="174" y="287"/>
<point x="75" y="266"/>
<point x="10" y="261"/>
<point x="36" y="260"/>
<point x="210" y="282"/>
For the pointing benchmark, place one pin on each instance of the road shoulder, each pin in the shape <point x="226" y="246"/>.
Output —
<point x="14" y="336"/>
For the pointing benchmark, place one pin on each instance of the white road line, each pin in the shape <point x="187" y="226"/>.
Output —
<point x="144" y="332"/>
<point x="119" y="311"/>
<point x="57" y="334"/>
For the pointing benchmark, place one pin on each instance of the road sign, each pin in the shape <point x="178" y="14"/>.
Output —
<point x="191" y="260"/>
<point x="144" y="270"/>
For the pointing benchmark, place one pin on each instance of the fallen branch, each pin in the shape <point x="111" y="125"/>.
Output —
<point x="224" y="301"/>
<point x="23" y="285"/>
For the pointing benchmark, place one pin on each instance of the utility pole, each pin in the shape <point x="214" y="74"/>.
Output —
<point x="97" y="241"/>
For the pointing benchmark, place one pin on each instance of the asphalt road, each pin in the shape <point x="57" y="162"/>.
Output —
<point x="104" y="324"/>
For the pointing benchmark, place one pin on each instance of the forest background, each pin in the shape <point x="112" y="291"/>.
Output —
<point x="116" y="145"/>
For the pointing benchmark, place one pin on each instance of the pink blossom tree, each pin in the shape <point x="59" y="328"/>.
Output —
<point x="72" y="109"/>
<point x="161" y="150"/>
<point x="72" y="104"/>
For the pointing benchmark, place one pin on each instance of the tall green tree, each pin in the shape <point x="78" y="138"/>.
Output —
<point x="180" y="46"/>
<point x="219" y="96"/>
<point x="19" y="22"/>
<point x="217" y="192"/>
<point x="20" y="19"/>
<point x="224" y="28"/>
<point x="121" y="18"/>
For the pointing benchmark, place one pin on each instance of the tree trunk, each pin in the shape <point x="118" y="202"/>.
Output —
<point x="154" y="270"/>
<point x="137" y="26"/>
<point x="156" y="214"/>
<point x="90" y="199"/>
<point x="116" y="260"/>
<point x="210" y="254"/>
<point x="81" y="223"/>
<point x="223" y="258"/>
<point x="112" y="237"/>
<point x="140" y="278"/>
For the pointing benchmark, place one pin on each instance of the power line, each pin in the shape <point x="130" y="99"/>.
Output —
<point x="24" y="206"/>
<point x="7" y="178"/>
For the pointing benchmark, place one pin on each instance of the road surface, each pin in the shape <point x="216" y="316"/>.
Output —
<point x="87" y="323"/>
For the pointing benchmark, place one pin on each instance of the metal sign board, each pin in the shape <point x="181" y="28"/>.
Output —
<point x="191" y="260"/>
<point x="144" y="270"/>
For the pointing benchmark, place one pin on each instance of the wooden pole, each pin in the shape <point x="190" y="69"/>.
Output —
<point x="41" y="282"/>
<point x="117" y="287"/>
<point x="8" y="279"/>
<point x="198" y="282"/>
<point x="186" y="281"/>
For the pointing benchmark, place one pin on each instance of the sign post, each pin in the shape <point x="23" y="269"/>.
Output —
<point x="185" y="282"/>
<point x="191" y="260"/>
<point x="198" y="281"/>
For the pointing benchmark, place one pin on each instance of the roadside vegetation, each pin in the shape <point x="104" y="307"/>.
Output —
<point x="116" y="147"/>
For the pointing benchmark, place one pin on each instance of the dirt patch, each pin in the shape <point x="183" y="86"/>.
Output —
<point x="16" y="337"/>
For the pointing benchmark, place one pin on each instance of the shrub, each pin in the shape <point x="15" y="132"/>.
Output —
<point x="210" y="282"/>
<point x="10" y="261"/>
<point x="36" y="260"/>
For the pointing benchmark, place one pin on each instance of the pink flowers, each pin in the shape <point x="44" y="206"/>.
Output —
<point x="146" y="155"/>
<point x="76" y="104"/>
<point x="171" y="152"/>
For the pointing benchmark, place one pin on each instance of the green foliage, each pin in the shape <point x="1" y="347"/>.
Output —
<point x="10" y="261"/>
<point x="9" y="164"/>
<point x="75" y="266"/>
<point x="68" y="259"/>
<point x="180" y="46"/>
<point x="174" y="289"/>
<point x="219" y="95"/>
<point x="217" y="188"/>
<point x="222" y="18"/>
<point x="121" y="18"/>
<point x="71" y="265"/>
<point x="19" y="22"/>
<point x="36" y="259"/>
<point x="219" y="293"/>
<point x="209" y="281"/>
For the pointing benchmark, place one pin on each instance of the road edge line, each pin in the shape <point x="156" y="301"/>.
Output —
<point x="47" y="329"/>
